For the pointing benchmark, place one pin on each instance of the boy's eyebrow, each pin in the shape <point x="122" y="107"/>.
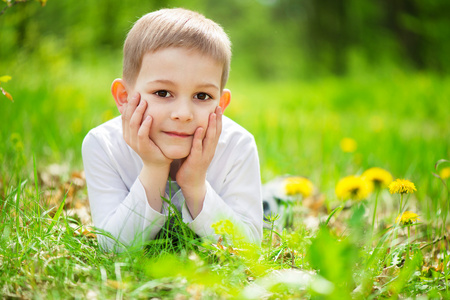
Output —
<point x="163" y="81"/>
<point x="169" y="82"/>
<point x="207" y="84"/>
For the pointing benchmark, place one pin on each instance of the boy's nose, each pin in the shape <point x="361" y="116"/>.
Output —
<point x="182" y="111"/>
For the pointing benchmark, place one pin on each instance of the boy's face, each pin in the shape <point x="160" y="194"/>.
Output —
<point x="181" y="88"/>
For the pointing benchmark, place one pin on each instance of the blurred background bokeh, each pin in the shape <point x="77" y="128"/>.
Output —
<point x="305" y="75"/>
<point x="273" y="39"/>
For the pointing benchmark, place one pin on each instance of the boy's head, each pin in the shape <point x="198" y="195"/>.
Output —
<point x="177" y="27"/>
<point x="178" y="62"/>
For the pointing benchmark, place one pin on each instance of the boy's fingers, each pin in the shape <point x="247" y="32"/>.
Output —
<point x="144" y="130"/>
<point x="219" y="114"/>
<point x="212" y="130"/>
<point x="136" y="118"/>
<point x="135" y="98"/>
<point x="131" y="106"/>
<point x="197" y="143"/>
<point x="123" y="119"/>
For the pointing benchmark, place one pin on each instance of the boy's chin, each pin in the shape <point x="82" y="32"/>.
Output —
<point x="175" y="154"/>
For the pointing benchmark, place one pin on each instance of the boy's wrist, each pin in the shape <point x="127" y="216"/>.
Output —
<point x="153" y="169"/>
<point x="191" y="183"/>
<point x="154" y="179"/>
<point x="194" y="197"/>
<point x="193" y="188"/>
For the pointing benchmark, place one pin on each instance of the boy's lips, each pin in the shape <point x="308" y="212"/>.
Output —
<point x="177" y="134"/>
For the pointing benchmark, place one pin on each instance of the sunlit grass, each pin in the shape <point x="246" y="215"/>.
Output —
<point x="45" y="253"/>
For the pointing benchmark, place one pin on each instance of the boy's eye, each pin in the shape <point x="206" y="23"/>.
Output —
<point x="203" y="96"/>
<point x="162" y="94"/>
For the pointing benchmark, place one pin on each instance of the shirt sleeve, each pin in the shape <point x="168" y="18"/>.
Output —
<point x="122" y="212"/>
<point x="238" y="199"/>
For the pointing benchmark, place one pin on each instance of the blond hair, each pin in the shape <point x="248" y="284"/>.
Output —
<point x="175" y="27"/>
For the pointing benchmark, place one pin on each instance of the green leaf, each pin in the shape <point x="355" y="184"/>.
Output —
<point x="336" y="210"/>
<point x="58" y="213"/>
<point x="335" y="260"/>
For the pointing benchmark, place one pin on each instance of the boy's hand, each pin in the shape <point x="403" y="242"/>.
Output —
<point x="136" y="133"/>
<point x="191" y="176"/>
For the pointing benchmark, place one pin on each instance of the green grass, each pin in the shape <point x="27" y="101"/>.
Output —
<point x="399" y="120"/>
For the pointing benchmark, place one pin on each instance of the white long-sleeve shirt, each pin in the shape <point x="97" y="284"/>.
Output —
<point x="119" y="203"/>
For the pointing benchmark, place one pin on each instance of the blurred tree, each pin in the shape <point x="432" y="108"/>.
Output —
<point x="272" y="39"/>
<point x="408" y="32"/>
<point x="411" y="41"/>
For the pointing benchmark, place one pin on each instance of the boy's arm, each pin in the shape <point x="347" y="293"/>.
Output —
<point x="238" y="198"/>
<point x="117" y="199"/>
<point x="192" y="174"/>
<point x="234" y="192"/>
<point x="156" y="166"/>
<point x="126" y="214"/>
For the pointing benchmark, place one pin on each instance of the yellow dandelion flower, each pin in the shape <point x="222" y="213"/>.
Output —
<point x="223" y="227"/>
<point x="298" y="186"/>
<point x="229" y="231"/>
<point x="379" y="177"/>
<point x="407" y="218"/>
<point x="445" y="173"/>
<point x="402" y="186"/>
<point x="348" y="145"/>
<point x="353" y="187"/>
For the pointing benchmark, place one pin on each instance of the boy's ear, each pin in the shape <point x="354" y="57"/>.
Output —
<point x="119" y="93"/>
<point x="225" y="99"/>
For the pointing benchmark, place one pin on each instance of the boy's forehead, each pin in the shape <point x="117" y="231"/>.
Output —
<point x="189" y="51"/>
<point x="173" y="62"/>
<point x="188" y="55"/>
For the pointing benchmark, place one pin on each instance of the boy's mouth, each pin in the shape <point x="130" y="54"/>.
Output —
<point x="177" y="134"/>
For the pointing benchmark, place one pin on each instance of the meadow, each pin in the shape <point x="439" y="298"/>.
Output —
<point x="393" y="118"/>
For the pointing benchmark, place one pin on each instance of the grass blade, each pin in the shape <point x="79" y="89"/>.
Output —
<point x="57" y="214"/>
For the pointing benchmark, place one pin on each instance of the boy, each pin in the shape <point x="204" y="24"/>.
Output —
<point x="171" y="139"/>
